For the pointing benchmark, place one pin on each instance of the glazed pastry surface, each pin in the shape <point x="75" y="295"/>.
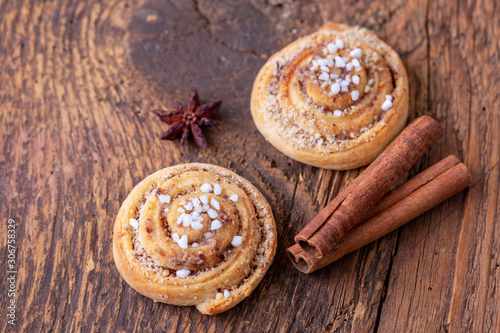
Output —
<point x="333" y="99"/>
<point x="194" y="234"/>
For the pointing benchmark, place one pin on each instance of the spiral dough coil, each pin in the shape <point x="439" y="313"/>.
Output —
<point x="333" y="99"/>
<point x="194" y="234"/>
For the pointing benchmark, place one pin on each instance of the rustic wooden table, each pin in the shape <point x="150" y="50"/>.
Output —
<point x="79" y="79"/>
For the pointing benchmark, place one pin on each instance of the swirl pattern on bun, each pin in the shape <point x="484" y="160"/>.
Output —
<point x="333" y="99"/>
<point x="194" y="234"/>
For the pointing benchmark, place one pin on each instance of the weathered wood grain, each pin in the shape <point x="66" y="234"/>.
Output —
<point x="78" y="81"/>
<point x="455" y="276"/>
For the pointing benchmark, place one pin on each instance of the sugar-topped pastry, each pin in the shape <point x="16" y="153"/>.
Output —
<point x="333" y="99"/>
<point x="194" y="234"/>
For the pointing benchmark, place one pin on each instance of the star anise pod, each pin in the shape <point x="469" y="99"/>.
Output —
<point x="186" y="122"/>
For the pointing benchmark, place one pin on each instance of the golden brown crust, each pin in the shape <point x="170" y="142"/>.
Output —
<point x="148" y="257"/>
<point x="295" y="110"/>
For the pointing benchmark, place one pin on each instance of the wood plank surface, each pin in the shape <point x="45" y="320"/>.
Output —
<point x="79" y="79"/>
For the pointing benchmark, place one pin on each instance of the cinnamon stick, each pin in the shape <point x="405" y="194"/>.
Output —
<point x="349" y="207"/>
<point x="412" y="198"/>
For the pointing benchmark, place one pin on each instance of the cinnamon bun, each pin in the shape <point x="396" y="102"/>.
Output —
<point x="333" y="99"/>
<point x="194" y="234"/>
